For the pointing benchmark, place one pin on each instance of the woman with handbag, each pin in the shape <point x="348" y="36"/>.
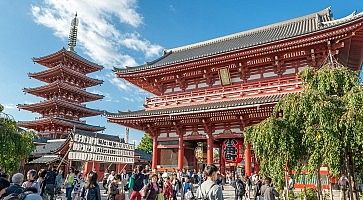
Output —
<point x="152" y="189"/>
<point x="113" y="189"/>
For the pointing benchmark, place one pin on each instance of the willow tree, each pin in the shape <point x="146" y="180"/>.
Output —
<point x="15" y="145"/>
<point x="320" y="126"/>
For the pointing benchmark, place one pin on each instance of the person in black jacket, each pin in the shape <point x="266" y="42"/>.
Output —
<point x="91" y="190"/>
<point x="4" y="184"/>
<point x="15" y="188"/>
<point x="49" y="183"/>
<point x="239" y="188"/>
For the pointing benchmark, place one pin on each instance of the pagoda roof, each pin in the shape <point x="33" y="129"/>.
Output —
<point x="56" y="85"/>
<point x="208" y="107"/>
<point x="264" y="35"/>
<point x="43" y="75"/>
<point x="53" y="103"/>
<point x="64" y="53"/>
<point x="61" y="122"/>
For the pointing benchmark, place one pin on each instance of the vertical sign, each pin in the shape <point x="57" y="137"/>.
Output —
<point x="224" y="76"/>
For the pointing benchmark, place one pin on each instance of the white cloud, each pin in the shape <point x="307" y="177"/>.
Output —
<point x="121" y="84"/>
<point x="98" y="36"/>
<point x="9" y="106"/>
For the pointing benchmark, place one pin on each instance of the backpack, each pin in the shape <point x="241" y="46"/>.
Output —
<point x="205" y="196"/>
<point x="138" y="183"/>
<point x="240" y="188"/>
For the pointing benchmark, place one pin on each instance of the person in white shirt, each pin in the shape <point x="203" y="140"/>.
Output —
<point x="110" y="179"/>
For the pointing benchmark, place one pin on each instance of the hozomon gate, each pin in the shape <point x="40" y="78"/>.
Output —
<point x="207" y="93"/>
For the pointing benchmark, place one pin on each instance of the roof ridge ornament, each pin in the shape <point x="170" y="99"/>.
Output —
<point x="72" y="39"/>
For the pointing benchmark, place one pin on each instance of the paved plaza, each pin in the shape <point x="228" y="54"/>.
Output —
<point x="228" y="194"/>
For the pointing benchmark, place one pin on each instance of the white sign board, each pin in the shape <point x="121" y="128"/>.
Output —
<point x="87" y="148"/>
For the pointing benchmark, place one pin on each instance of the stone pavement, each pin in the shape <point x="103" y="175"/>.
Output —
<point x="228" y="194"/>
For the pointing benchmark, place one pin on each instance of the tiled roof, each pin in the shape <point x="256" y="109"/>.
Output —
<point x="267" y="34"/>
<point x="200" y="107"/>
<point x="59" y="121"/>
<point x="43" y="75"/>
<point x="50" y="147"/>
<point x="56" y="85"/>
<point x="58" y="103"/>
<point x="99" y="135"/>
<point x="94" y="66"/>
<point x="143" y="155"/>
<point x="45" y="160"/>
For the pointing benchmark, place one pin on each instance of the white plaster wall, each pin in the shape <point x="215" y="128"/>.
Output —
<point x="254" y="76"/>
<point x="289" y="71"/>
<point x="269" y="74"/>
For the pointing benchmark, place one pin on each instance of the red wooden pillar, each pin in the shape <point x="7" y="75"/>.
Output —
<point x="257" y="166"/>
<point x="209" y="149"/>
<point x="248" y="160"/>
<point x="181" y="152"/>
<point x="222" y="162"/>
<point x="155" y="152"/>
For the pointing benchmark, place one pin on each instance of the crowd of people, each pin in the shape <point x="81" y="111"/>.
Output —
<point x="140" y="184"/>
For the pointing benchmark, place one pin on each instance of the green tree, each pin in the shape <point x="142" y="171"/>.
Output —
<point x="146" y="143"/>
<point x="320" y="126"/>
<point x="15" y="144"/>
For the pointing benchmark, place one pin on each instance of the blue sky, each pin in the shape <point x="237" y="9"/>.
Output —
<point x="124" y="32"/>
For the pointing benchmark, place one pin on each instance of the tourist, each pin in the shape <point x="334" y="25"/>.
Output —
<point x="258" y="185"/>
<point x="201" y="177"/>
<point x="113" y="189"/>
<point x="209" y="189"/>
<point x="187" y="189"/>
<point x="160" y="181"/>
<point x="50" y="182"/>
<point x="77" y="186"/>
<point x="137" y="183"/>
<point x="168" y="189"/>
<point x="248" y="184"/>
<point x="32" y="182"/>
<point x="40" y="180"/>
<point x="59" y="180"/>
<point x="15" y="187"/>
<point x="268" y="191"/>
<point x="109" y="180"/>
<point x="91" y="189"/>
<point x="176" y="186"/>
<point x="68" y="183"/>
<point x="104" y="180"/>
<point x="343" y="184"/>
<point x="4" y="184"/>
<point x="152" y="189"/>
<point x="239" y="188"/>
<point x="30" y="193"/>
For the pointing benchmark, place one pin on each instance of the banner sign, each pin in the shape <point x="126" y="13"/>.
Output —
<point x="87" y="148"/>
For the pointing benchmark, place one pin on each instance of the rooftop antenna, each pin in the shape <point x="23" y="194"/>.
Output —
<point x="72" y="39"/>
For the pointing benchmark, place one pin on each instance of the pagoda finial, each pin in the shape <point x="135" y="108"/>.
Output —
<point x="72" y="39"/>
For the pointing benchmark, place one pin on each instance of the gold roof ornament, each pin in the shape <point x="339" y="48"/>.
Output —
<point x="72" y="39"/>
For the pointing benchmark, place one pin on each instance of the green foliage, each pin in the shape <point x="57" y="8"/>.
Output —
<point x="15" y="145"/>
<point x="319" y="126"/>
<point x="308" y="194"/>
<point x="146" y="143"/>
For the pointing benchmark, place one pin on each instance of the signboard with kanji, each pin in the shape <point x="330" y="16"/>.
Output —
<point x="232" y="151"/>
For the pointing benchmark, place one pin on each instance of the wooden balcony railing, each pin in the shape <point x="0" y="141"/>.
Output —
<point x="216" y="94"/>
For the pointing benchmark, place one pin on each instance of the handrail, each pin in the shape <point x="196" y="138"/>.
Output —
<point x="288" y="81"/>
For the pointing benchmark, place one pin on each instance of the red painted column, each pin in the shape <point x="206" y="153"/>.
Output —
<point x="222" y="162"/>
<point x="155" y="152"/>
<point x="248" y="160"/>
<point x="181" y="152"/>
<point x="209" y="149"/>
<point x="257" y="166"/>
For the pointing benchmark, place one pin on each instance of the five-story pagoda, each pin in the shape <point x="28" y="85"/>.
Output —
<point x="64" y="93"/>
